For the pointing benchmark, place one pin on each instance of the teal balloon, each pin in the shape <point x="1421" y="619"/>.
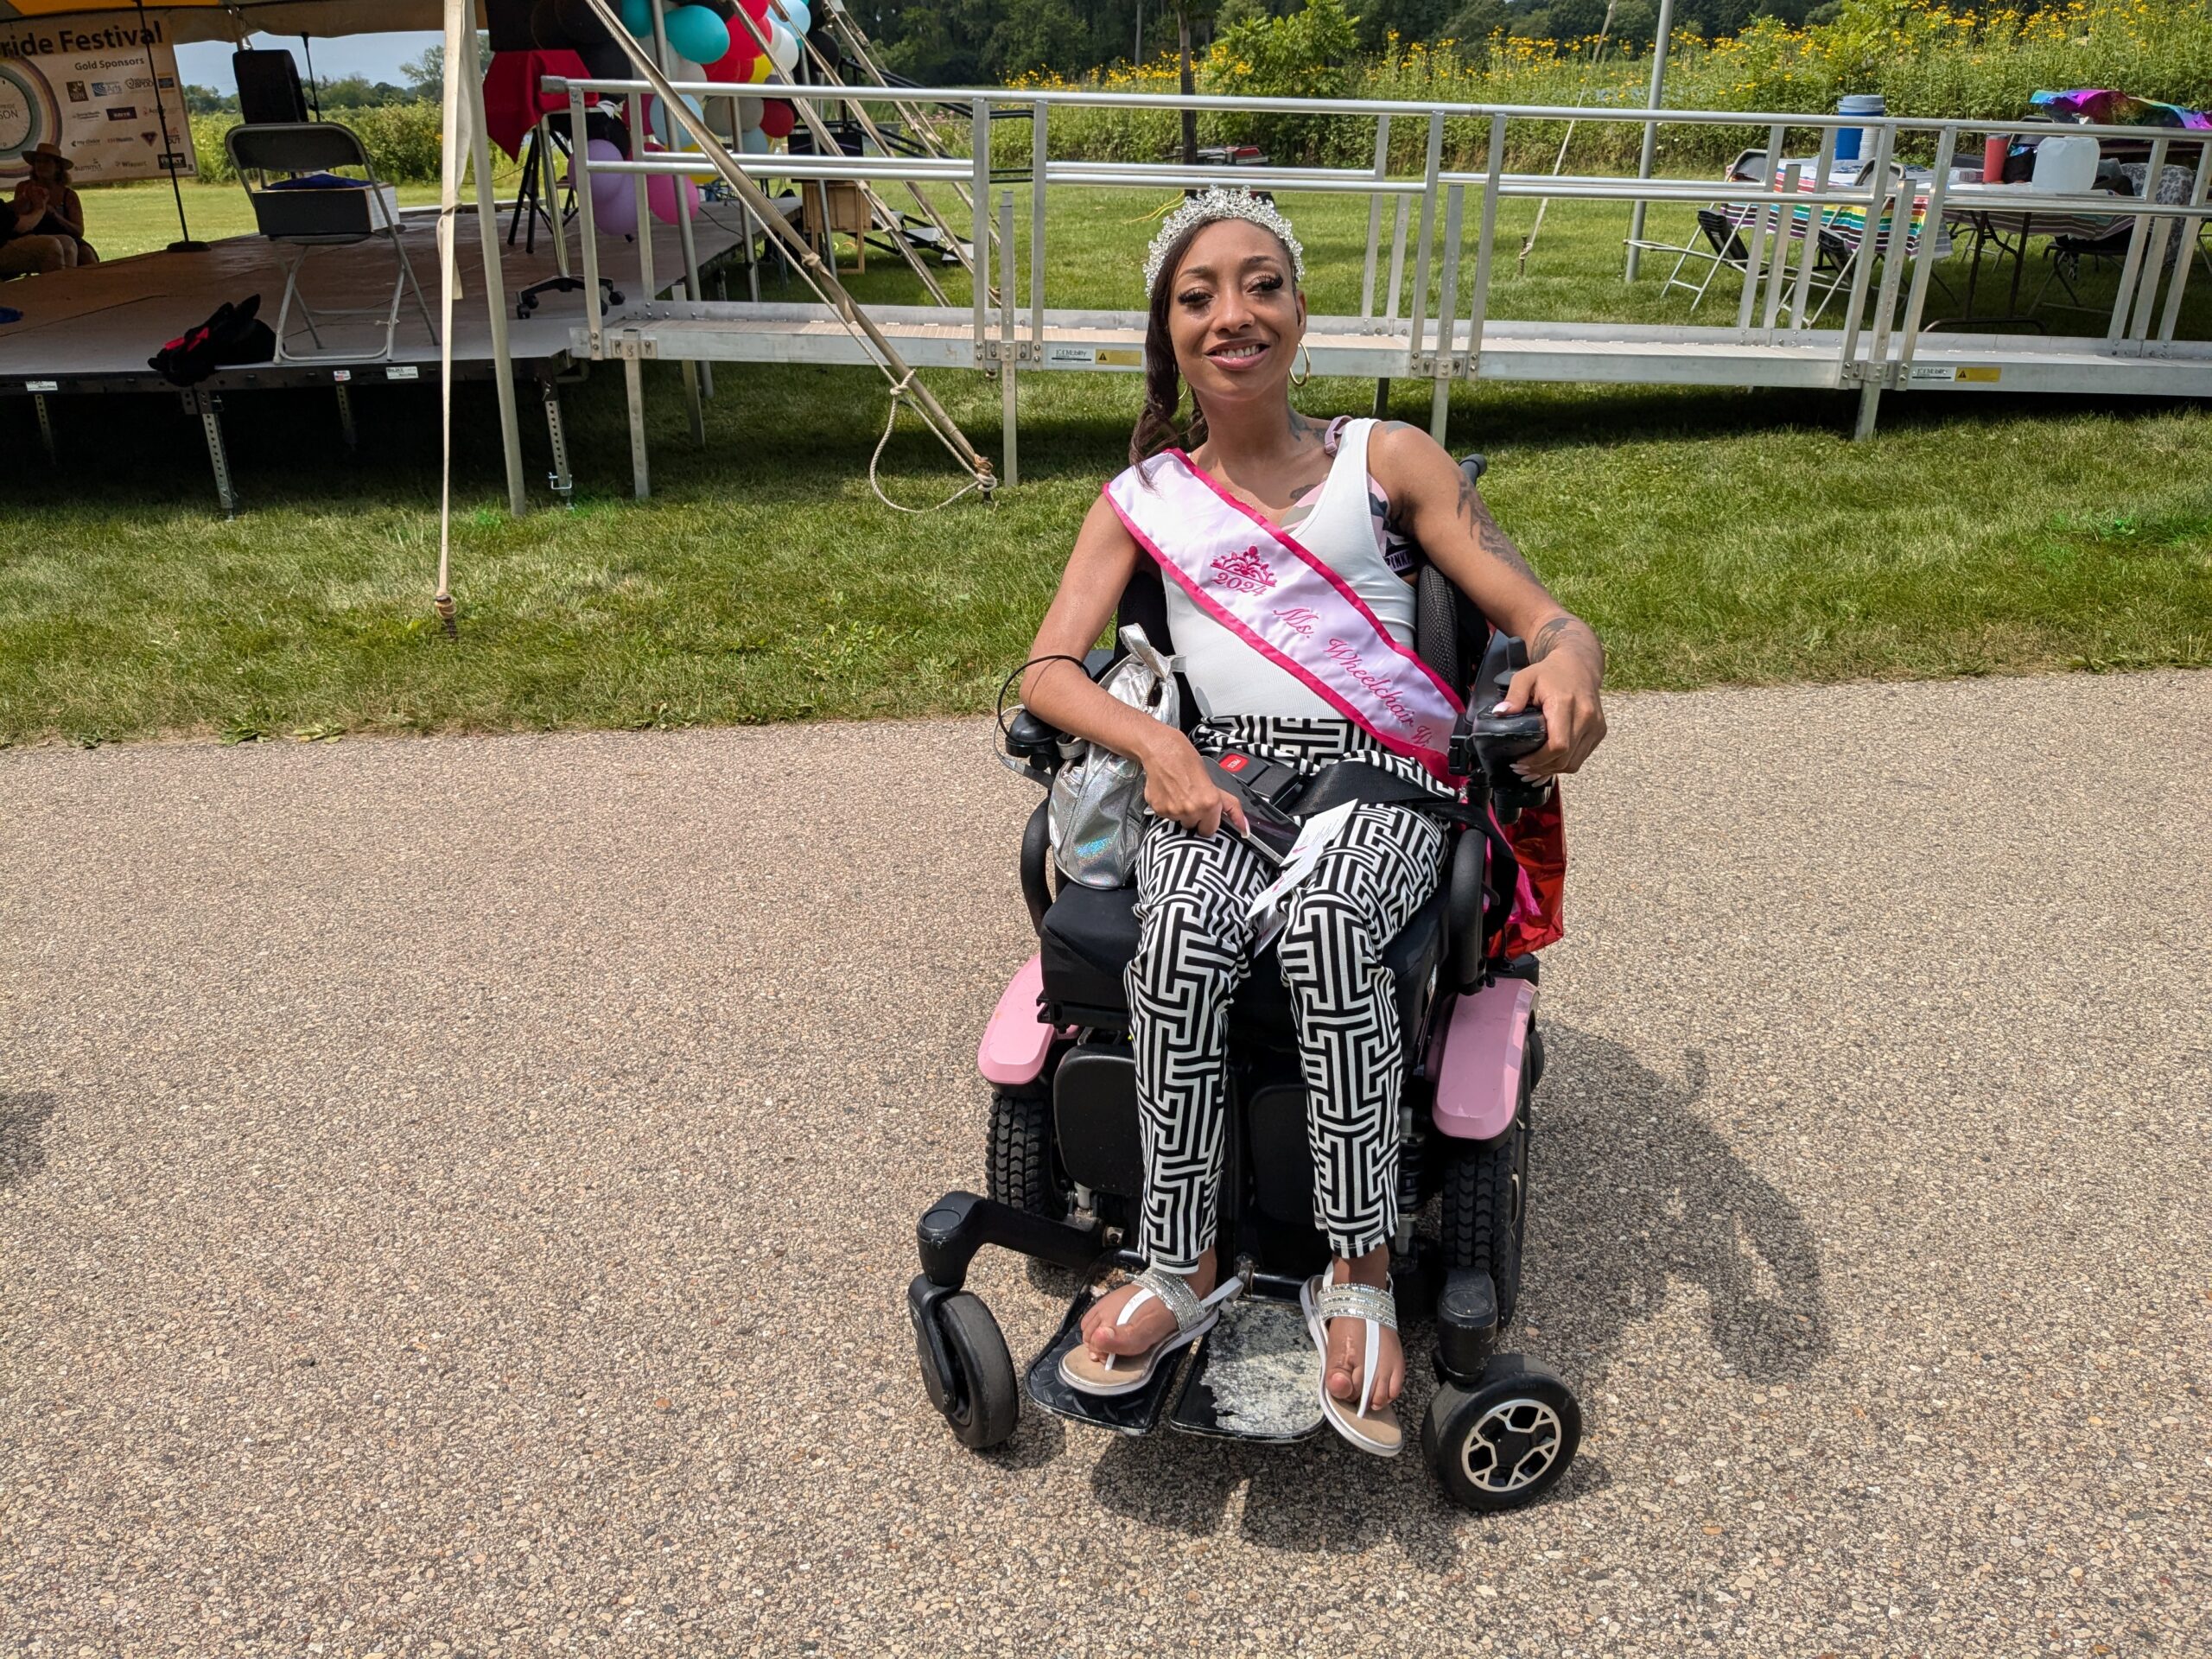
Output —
<point x="754" y="143"/>
<point x="638" y="18"/>
<point x="696" y="33"/>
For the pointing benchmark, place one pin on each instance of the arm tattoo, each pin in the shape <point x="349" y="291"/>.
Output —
<point x="1547" y="636"/>
<point x="1566" y="628"/>
<point x="1484" y="529"/>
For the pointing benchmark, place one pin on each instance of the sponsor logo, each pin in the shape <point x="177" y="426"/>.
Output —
<point x="77" y="92"/>
<point x="1234" y="762"/>
<point x="1242" y="573"/>
<point x="124" y="112"/>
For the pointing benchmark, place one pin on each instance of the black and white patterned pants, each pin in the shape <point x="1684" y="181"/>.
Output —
<point x="1192" y="891"/>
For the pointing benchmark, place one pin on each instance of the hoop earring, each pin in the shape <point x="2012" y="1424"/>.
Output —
<point x="1296" y="378"/>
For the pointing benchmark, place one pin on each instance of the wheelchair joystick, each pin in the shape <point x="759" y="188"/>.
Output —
<point x="1484" y="745"/>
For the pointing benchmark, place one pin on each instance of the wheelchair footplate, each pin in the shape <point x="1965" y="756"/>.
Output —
<point x="1256" y="1376"/>
<point x="1253" y="1376"/>
<point x="1136" y="1412"/>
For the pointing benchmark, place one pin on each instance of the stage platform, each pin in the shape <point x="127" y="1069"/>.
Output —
<point x="91" y="331"/>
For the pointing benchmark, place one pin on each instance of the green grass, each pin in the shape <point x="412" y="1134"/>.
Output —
<point x="1711" y="537"/>
<point x="123" y="220"/>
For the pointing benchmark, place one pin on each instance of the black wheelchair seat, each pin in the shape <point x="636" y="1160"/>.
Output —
<point x="1089" y="936"/>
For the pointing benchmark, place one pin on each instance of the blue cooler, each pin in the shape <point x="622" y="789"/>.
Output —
<point x="1850" y="142"/>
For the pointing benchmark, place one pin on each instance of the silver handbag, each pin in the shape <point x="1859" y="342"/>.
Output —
<point x="1097" y="811"/>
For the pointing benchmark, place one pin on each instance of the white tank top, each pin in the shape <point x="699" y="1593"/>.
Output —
<point x="1227" y="675"/>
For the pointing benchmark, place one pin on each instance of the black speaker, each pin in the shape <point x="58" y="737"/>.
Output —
<point x="507" y="22"/>
<point x="269" y="87"/>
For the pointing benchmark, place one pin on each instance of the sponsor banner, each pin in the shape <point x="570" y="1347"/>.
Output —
<point x="97" y="94"/>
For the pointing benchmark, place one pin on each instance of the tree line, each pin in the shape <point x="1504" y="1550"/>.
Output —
<point x="982" y="42"/>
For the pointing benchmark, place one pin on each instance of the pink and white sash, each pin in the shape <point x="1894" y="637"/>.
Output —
<point x="1287" y="604"/>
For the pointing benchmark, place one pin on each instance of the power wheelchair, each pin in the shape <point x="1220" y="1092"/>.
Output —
<point x="1065" y="1173"/>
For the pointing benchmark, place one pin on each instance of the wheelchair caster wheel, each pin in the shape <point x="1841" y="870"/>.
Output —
<point x="974" y="1385"/>
<point x="1505" y="1442"/>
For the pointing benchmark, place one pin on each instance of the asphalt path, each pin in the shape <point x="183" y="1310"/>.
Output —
<point x="456" y="1196"/>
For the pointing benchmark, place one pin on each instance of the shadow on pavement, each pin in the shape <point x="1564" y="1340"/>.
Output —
<point x="23" y="1136"/>
<point x="1631" y="1191"/>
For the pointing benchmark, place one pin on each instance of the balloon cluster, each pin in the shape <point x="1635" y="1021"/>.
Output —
<point x="709" y="44"/>
<point x="704" y="35"/>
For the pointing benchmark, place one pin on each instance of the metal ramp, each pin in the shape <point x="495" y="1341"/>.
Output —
<point x="1431" y="245"/>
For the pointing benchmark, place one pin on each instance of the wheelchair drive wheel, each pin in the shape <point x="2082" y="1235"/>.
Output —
<point x="967" y="1372"/>
<point x="1023" y="1171"/>
<point x="1485" y="1206"/>
<point x="1505" y="1442"/>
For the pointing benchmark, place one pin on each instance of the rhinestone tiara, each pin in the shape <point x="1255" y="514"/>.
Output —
<point x="1220" y="203"/>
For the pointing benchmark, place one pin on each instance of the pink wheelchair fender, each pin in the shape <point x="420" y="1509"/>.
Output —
<point x="1477" y="1064"/>
<point x="1015" y="1041"/>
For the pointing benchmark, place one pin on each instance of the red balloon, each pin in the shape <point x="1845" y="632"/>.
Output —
<point x="777" y="118"/>
<point x="756" y="10"/>
<point x="733" y="68"/>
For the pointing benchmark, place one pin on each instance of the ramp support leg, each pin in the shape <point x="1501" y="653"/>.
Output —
<point x="1869" y="400"/>
<point x="46" y="428"/>
<point x="345" y="428"/>
<point x="209" y="408"/>
<point x="1383" y="398"/>
<point x="692" y="395"/>
<point x="564" y="485"/>
<point x="633" y="384"/>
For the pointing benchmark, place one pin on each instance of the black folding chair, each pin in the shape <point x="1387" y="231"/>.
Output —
<point x="271" y="162"/>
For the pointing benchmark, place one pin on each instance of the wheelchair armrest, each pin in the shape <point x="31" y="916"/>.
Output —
<point x="1464" y="918"/>
<point x="1032" y="742"/>
<point x="1036" y="859"/>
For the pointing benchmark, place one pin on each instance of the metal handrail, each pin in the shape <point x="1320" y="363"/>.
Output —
<point x="1447" y="342"/>
<point x="1228" y="104"/>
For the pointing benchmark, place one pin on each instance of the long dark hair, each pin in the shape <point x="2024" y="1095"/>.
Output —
<point x="1159" y="426"/>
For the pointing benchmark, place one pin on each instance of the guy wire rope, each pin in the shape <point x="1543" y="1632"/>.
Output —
<point x="826" y="287"/>
<point x="826" y="144"/>
<point x="1559" y="162"/>
<point x="829" y="77"/>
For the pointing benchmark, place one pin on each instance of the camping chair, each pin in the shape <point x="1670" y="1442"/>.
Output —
<point x="1721" y="228"/>
<point x="2066" y="253"/>
<point x="289" y="171"/>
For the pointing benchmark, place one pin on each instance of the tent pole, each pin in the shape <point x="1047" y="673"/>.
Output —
<point x="495" y="287"/>
<point x="1651" y="128"/>
<point x="184" y="244"/>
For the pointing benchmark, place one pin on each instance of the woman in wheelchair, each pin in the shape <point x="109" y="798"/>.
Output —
<point x="1290" y="548"/>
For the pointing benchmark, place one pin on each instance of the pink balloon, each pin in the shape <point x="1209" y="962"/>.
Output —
<point x="660" y="196"/>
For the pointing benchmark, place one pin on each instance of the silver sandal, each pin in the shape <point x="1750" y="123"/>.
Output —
<point x="1193" y="1318"/>
<point x="1373" y="1429"/>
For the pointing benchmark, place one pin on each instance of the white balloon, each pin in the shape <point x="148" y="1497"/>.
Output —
<point x="783" y="48"/>
<point x="748" y="114"/>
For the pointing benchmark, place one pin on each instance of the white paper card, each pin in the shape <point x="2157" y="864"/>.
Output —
<point x="1270" y="907"/>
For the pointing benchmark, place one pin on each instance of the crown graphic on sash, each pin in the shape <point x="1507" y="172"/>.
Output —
<point x="1244" y="573"/>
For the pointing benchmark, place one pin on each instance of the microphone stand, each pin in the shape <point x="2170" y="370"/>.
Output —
<point x="185" y="245"/>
